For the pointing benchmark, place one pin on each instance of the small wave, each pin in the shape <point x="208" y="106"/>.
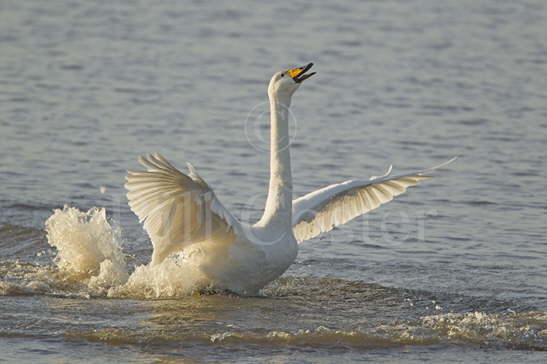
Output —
<point x="30" y="206"/>
<point x="18" y="241"/>
<point x="10" y="289"/>
<point x="323" y="336"/>
<point x="479" y="202"/>
<point x="523" y="331"/>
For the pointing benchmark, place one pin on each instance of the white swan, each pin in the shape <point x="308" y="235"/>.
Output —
<point x="181" y="212"/>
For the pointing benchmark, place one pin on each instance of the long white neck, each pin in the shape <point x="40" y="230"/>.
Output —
<point x="278" y="211"/>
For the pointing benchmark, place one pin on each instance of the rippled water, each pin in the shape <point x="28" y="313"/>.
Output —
<point x="454" y="270"/>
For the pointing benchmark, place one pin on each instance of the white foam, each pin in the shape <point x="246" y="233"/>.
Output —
<point x="88" y="247"/>
<point x="89" y="251"/>
<point x="171" y="278"/>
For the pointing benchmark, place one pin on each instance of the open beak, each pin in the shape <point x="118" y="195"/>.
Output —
<point x="298" y="74"/>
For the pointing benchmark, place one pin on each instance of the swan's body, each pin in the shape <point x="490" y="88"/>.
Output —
<point x="181" y="212"/>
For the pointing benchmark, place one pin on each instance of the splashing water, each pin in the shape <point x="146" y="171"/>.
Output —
<point x="89" y="250"/>
<point x="171" y="278"/>
<point x="88" y="247"/>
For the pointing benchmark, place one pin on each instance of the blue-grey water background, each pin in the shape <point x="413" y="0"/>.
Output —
<point x="86" y="87"/>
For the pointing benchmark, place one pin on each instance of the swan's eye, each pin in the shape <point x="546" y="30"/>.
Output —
<point x="282" y="74"/>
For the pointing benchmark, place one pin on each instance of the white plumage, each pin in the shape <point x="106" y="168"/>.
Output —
<point x="177" y="210"/>
<point x="322" y="210"/>
<point x="181" y="213"/>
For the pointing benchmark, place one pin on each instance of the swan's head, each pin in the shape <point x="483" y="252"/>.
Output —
<point x="285" y="83"/>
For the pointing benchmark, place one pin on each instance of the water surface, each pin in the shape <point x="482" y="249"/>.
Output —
<point x="454" y="270"/>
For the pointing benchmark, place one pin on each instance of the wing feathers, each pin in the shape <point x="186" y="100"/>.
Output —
<point x="322" y="210"/>
<point x="176" y="209"/>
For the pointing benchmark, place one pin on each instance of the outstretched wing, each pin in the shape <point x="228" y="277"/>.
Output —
<point x="320" y="211"/>
<point x="176" y="209"/>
